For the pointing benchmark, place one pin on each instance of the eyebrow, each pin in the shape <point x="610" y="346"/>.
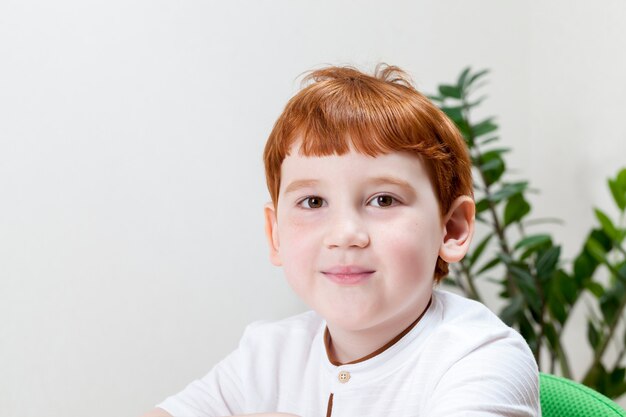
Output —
<point x="384" y="180"/>
<point x="389" y="180"/>
<point x="296" y="185"/>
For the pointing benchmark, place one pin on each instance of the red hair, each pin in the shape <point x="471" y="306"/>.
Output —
<point x="342" y="107"/>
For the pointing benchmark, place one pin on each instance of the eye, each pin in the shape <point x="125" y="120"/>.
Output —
<point x="311" y="202"/>
<point x="383" y="200"/>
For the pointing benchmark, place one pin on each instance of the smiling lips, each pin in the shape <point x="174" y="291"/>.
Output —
<point x="348" y="275"/>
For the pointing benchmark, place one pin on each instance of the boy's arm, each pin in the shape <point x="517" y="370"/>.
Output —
<point x="495" y="380"/>
<point x="220" y="393"/>
<point x="158" y="412"/>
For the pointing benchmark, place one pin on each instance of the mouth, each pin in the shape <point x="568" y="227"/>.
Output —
<point x="348" y="275"/>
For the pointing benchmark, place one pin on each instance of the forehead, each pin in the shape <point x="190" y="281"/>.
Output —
<point x="354" y="168"/>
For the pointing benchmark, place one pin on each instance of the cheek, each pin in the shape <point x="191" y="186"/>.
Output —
<point x="298" y="248"/>
<point x="411" y="249"/>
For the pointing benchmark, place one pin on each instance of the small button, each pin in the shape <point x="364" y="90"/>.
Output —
<point x="344" y="376"/>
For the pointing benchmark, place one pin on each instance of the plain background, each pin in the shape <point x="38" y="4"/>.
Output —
<point x="132" y="252"/>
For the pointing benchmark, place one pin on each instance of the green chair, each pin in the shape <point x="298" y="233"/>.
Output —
<point x="561" y="397"/>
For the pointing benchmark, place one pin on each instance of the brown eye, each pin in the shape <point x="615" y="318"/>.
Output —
<point x="313" y="202"/>
<point x="384" y="201"/>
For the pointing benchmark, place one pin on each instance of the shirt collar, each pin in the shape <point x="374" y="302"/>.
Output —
<point x="378" y="351"/>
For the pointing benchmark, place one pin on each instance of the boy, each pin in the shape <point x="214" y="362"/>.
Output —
<point x="371" y="199"/>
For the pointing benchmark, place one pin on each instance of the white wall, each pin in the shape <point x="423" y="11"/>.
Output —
<point x="131" y="238"/>
<point x="577" y="134"/>
<point x="577" y="109"/>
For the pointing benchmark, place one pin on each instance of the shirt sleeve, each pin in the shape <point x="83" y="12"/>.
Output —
<point x="499" y="378"/>
<point x="218" y="393"/>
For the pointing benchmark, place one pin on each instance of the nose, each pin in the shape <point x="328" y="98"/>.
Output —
<point x="346" y="229"/>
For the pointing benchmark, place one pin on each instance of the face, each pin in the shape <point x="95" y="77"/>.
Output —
<point x="358" y="236"/>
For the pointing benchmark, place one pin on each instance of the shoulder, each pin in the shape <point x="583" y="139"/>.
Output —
<point x="457" y="314"/>
<point x="468" y="331"/>
<point x="477" y="359"/>
<point x="456" y="309"/>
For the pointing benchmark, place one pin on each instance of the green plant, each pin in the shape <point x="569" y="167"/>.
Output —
<point x="538" y="288"/>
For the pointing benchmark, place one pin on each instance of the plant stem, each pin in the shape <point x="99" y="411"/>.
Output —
<point x="604" y="342"/>
<point x="458" y="280"/>
<point x="542" y="310"/>
<point x="563" y="360"/>
<point x="620" y="357"/>
<point x="512" y="288"/>
<point x="473" y="291"/>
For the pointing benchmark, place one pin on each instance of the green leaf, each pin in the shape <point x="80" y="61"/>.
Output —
<point x="492" y="159"/>
<point x="595" y="288"/>
<point x="435" y="98"/>
<point x="617" y="375"/>
<point x="609" y="305"/>
<point x="476" y="77"/>
<point x="616" y="384"/>
<point x="462" y="78"/>
<point x="528" y="332"/>
<point x="454" y="113"/>
<point x="533" y="241"/>
<point x="496" y="151"/>
<point x="486" y="267"/>
<point x="481" y="206"/>
<point x="512" y="311"/>
<point x="601" y="237"/>
<point x="551" y="335"/>
<point x="595" y="377"/>
<point x="607" y="225"/>
<point x="477" y="102"/>
<point x="479" y="250"/>
<point x="619" y="194"/>
<point x="488" y="140"/>
<point x="452" y="91"/>
<point x="593" y="335"/>
<point x="526" y="284"/>
<point x="596" y="250"/>
<point x="515" y="210"/>
<point x="535" y="244"/>
<point x="465" y="131"/>
<point x="584" y="266"/>
<point x="492" y="166"/>
<point x="621" y="179"/>
<point x="557" y="308"/>
<point x="508" y="190"/>
<point x="522" y="275"/>
<point x="484" y="127"/>
<point x="547" y="261"/>
<point x="621" y="271"/>
<point x="544" y="220"/>
<point x="565" y="285"/>
<point x="507" y="259"/>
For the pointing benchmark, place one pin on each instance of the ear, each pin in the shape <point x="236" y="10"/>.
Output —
<point x="458" y="229"/>
<point x="271" y="233"/>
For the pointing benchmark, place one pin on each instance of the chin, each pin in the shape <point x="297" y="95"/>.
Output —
<point x="350" y="320"/>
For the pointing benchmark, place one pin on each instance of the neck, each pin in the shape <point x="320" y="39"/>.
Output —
<point x="348" y="346"/>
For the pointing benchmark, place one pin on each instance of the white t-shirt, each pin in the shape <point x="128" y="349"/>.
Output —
<point x="459" y="360"/>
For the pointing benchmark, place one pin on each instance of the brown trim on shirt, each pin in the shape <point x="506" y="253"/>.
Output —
<point x="378" y="351"/>
<point x="329" y="409"/>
